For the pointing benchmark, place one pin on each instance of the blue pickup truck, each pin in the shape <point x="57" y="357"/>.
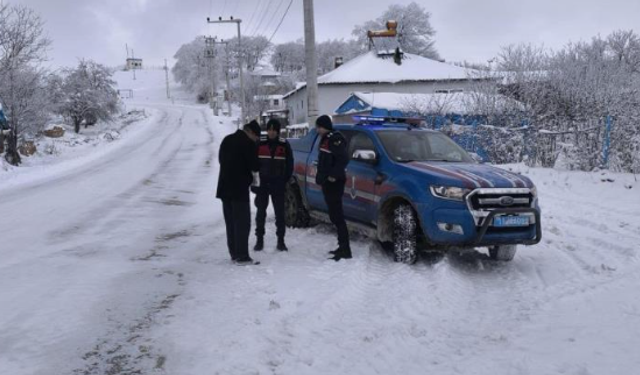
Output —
<point x="417" y="190"/>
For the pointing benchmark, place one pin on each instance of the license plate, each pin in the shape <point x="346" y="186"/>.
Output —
<point x="511" y="221"/>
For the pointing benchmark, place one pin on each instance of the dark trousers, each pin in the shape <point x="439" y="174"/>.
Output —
<point x="276" y="192"/>
<point x="333" y="192"/>
<point x="237" y="218"/>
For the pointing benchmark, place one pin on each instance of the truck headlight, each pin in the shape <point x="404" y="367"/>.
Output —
<point x="449" y="192"/>
<point x="534" y="192"/>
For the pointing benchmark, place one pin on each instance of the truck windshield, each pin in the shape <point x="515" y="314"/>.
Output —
<point x="406" y="146"/>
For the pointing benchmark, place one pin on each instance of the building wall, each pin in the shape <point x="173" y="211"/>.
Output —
<point x="331" y="96"/>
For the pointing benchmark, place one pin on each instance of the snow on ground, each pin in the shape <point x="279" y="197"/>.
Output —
<point x="57" y="156"/>
<point x="121" y="267"/>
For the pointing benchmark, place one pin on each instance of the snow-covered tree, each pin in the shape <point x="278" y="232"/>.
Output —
<point x="330" y="49"/>
<point x="415" y="33"/>
<point x="194" y="70"/>
<point x="86" y="94"/>
<point x="288" y="57"/>
<point x="253" y="50"/>
<point x="22" y="47"/>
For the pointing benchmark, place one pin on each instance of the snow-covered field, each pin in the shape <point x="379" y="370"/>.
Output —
<point x="119" y="266"/>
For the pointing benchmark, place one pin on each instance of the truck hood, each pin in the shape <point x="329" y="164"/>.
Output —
<point x="473" y="175"/>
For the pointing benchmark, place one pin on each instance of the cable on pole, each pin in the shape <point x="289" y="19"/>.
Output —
<point x="281" y="20"/>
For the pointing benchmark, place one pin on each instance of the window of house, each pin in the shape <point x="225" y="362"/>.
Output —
<point x="276" y="102"/>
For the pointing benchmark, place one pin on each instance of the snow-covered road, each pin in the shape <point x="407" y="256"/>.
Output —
<point x="120" y="266"/>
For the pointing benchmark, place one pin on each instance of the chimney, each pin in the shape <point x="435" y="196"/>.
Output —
<point x="337" y="62"/>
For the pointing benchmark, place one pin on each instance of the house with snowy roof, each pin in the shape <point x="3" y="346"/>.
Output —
<point x="380" y="72"/>
<point x="467" y="105"/>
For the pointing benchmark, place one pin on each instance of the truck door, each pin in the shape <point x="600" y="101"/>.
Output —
<point x="315" y="198"/>
<point x="360" y="200"/>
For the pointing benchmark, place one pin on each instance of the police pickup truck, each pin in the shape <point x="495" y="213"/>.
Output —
<point x="417" y="189"/>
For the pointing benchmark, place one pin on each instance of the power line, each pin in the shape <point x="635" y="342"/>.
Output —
<point x="224" y="7"/>
<point x="274" y="15"/>
<point x="235" y="8"/>
<point x="281" y="20"/>
<point x="264" y="15"/>
<point x="254" y="26"/>
<point x="255" y="10"/>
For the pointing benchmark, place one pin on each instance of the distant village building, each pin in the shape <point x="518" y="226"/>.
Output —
<point x="271" y="102"/>
<point x="379" y="72"/>
<point x="272" y="107"/>
<point x="133" y="63"/>
<point x="267" y="77"/>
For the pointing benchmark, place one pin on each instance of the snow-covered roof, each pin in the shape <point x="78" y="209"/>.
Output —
<point x="265" y="72"/>
<point x="267" y="97"/>
<point x="370" y="68"/>
<point x="460" y="102"/>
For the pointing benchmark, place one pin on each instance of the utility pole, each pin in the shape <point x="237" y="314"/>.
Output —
<point x="210" y="54"/>
<point x="227" y="66"/>
<point x="166" y="76"/>
<point x="311" y="60"/>
<point x="226" y="73"/>
<point x="240" y="59"/>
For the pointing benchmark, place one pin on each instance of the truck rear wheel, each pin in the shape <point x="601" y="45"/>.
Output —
<point x="503" y="253"/>
<point x="405" y="241"/>
<point x="295" y="213"/>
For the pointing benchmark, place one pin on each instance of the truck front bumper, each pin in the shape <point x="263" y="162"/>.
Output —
<point x="458" y="227"/>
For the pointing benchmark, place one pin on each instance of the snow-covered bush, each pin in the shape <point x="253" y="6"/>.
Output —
<point x="567" y="98"/>
<point x="85" y="94"/>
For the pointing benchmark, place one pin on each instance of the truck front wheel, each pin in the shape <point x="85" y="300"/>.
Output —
<point x="405" y="224"/>
<point x="295" y="213"/>
<point x="504" y="253"/>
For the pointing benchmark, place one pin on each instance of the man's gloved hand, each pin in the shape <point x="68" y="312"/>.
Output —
<point x="331" y="179"/>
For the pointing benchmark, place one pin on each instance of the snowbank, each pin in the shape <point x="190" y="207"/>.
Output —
<point x="57" y="156"/>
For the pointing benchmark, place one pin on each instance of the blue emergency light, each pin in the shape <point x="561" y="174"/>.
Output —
<point x="384" y="120"/>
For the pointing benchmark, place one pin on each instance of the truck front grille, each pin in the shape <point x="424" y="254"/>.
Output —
<point x="482" y="201"/>
<point x="493" y="201"/>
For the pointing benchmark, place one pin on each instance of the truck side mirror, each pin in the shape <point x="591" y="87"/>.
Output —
<point x="367" y="156"/>
<point x="477" y="158"/>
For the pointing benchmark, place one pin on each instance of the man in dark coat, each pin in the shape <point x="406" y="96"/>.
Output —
<point x="238" y="159"/>
<point x="331" y="175"/>
<point x="276" y="168"/>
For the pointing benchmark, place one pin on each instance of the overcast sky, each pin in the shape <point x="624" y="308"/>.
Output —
<point x="470" y="30"/>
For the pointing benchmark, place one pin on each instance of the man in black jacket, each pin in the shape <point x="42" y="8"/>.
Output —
<point x="238" y="159"/>
<point x="276" y="168"/>
<point x="331" y="175"/>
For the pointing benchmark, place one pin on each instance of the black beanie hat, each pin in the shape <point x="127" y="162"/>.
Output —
<point x="324" y="121"/>
<point x="274" y="124"/>
<point x="253" y="127"/>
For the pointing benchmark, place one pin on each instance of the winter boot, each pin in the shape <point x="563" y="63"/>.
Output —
<point x="341" y="254"/>
<point x="246" y="262"/>
<point x="334" y="252"/>
<point x="259" y="244"/>
<point x="281" y="245"/>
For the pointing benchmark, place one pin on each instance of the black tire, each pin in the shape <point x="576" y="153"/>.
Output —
<point x="405" y="234"/>
<point x="504" y="253"/>
<point x="295" y="213"/>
